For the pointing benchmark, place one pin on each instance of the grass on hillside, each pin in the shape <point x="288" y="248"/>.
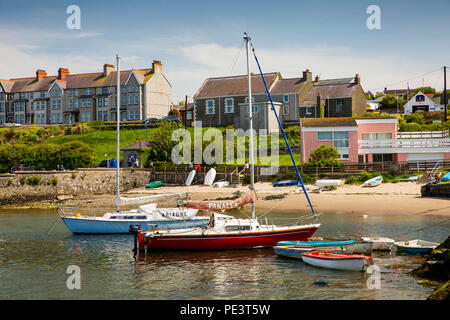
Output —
<point x="104" y="142"/>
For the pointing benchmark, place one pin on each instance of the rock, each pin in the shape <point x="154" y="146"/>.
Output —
<point x="441" y="293"/>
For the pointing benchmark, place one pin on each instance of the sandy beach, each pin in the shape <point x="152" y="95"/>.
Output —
<point x="387" y="198"/>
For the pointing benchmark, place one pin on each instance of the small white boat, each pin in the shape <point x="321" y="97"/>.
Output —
<point x="209" y="177"/>
<point x="337" y="261"/>
<point x="379" y="243"/>
<point x="373" y="182"/>
<point x="221" y="184"/>
<point x="190" y="178"/>
<point x="415" y="246"/>
<point x="329" y="182"/>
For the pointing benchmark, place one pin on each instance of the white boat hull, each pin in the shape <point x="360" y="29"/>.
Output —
<point x="348" y="265"/>
<point x="379" y="244"/>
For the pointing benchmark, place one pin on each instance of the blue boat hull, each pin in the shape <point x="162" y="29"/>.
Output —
<point x="285" y="252"/>
<point x="323" y="243"/>
<point x="85" y="226"/>
<point x="414" y="250"/>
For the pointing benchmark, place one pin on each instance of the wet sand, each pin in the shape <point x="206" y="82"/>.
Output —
<point x="387" y="198"/>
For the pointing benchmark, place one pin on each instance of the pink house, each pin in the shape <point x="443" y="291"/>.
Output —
<point x="369" y="140"/>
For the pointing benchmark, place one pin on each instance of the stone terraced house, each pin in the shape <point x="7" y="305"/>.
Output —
<point x="223" y="101"/>
<point x="69" y="98"/>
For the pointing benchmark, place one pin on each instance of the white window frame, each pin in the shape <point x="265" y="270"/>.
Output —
<point x="309" y="110"/>
<point x="229" y="108"/>
<point x="284" y="98"/>
<point x="284" y="110"/>
<point x="207" y="107"/>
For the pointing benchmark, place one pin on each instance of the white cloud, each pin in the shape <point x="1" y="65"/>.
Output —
<point x="376" y="70"/>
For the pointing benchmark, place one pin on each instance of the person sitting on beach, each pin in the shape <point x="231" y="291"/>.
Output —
<point x="430" y="179"/>
<point x="436" y="178"/>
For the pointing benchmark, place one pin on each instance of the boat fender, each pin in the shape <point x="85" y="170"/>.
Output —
<point x="78" y="215"/>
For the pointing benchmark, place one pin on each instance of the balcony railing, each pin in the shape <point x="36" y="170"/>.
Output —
<point x="366" y="145"/>
<point x="423" y="134"/>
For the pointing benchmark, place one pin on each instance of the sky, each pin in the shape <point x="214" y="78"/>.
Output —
<point x="200" y="39"/>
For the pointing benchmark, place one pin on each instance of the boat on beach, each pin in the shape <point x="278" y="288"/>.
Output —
<point x="337" y="261"/>
<point x="373" y="182"/>
<point x="415" y="246"/>
<point x="225" y="232"/>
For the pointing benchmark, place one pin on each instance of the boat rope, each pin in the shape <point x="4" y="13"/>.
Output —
<point x="440" y="223"/>
<point x="281" y="127"/>
<point x="236" y="58"/>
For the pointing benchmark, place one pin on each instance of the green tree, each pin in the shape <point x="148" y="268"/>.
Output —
<point x="324" y="156"/>
<point x="163" y="143"/>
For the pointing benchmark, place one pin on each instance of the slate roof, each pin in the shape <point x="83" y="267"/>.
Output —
<point x="286" y="86"/>
<point x="330" y="89"/>
<point x="73" y="81"/>
<point x="234" y="85"/>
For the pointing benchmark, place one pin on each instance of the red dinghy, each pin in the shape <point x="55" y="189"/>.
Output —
<point x="337" y="261"/>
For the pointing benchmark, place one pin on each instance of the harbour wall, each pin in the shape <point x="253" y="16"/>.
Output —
<point x="436" y="190"/>
<point x="28" y="186"/>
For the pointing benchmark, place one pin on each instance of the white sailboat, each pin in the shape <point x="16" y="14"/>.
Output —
<point x="225" y="232"/>
<point x="148" y="216"/>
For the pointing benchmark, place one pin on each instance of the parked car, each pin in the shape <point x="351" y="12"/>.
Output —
<point x="170" y="118"/>
<point x="21" y="167"/>
<point x="150" y="120"/>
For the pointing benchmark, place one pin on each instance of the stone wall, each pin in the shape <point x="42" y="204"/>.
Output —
<point x="436" y="190"/>
<point x="18" y="187"/>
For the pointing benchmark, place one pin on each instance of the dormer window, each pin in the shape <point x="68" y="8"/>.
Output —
<point x="246" y="99"/>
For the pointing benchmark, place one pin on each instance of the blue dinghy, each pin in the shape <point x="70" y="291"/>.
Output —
<point x="321" y="243"/>
<point x="285" y="183"/>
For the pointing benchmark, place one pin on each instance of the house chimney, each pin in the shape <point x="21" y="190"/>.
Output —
<point x="157" y="66"/>
<point x="40" y="74"/>
<point x="62" y="72"/>
<point x="107" y="69"/>
<point x="357" y="79"/>
<point x="307" y="76"/>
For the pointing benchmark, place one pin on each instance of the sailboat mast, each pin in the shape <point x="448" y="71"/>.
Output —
<point x="118" y="135"/>
<point x="250" y="113"/>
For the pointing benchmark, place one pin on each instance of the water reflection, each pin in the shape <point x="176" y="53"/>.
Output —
<point x="33" y="264"/>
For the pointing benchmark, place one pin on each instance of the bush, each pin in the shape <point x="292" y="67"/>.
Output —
<point x="53" y="181"/>
<point x="34" y="180"/>
<point x="324" y="156"/>
<point x="72" y="155"/>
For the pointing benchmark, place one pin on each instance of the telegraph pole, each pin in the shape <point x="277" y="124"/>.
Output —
<point x="445" y="94"/>
<point x="185" y="111"/>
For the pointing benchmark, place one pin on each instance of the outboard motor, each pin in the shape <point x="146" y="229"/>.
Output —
<point x="135" y="228"/>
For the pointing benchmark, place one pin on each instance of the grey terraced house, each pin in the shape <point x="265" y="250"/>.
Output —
<point x="223" y="101"/>
<point x="69" y="98"/>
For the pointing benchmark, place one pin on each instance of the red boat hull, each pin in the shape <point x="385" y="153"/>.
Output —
<point x="222" y="242"/>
